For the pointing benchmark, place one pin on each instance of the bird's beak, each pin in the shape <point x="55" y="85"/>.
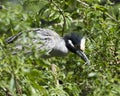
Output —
<point x="83" y="56"/>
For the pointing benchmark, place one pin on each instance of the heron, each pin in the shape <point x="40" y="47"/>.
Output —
<point x="48" y="40"/>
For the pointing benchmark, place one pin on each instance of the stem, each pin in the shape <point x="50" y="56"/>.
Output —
<point x="54" y="71"/>
<point x="62" y="13"/>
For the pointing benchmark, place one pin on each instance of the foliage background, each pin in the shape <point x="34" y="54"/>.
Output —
<point x="99" y="20"/>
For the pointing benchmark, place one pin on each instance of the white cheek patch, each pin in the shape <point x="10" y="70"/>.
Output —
<point x="70" y="42"/>
<point x="82" y="44"/>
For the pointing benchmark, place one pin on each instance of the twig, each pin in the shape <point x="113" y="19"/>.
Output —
<point x="111" y="17"/>
<point x="54" y="71"/>
<point x="7" y="92"/>
<point x="61" y="12"/>
<point x="83" y="3"/>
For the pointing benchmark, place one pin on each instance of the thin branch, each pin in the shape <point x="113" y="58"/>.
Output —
<point x="83" y="3"/>
<point x="62" y="13"/>
<point x="54" y="71"/>
<point x="111" y="17"/>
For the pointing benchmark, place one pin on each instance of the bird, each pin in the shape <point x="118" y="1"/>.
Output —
<point x="43" y="39"/>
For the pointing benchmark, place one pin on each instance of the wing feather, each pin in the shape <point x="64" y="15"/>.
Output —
<point x="37" y="39"/>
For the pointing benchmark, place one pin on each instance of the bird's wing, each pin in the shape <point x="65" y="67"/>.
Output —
<point x="37" y="39"/>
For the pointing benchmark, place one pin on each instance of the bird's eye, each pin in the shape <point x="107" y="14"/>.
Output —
<point x="77" y="46"/>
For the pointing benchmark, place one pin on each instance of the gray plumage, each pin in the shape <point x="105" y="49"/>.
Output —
<point x="40" y="40"/>
<point x="46" y="40"/>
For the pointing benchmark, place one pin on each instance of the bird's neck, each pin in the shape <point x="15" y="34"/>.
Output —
<point x="60" y="48"/>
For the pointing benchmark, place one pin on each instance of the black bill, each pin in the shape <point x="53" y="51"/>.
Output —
<point x="83" y="56"/>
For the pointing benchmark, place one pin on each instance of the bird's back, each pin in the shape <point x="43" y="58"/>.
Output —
<point x="37" y="39"/>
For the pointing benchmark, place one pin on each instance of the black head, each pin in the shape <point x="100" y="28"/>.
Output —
<point x="76" y="44"/>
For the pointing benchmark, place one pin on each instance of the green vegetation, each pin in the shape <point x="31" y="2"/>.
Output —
<point x="32" y="76"/>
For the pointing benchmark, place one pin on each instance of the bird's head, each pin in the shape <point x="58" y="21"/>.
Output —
<point x="76" y="44"/>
